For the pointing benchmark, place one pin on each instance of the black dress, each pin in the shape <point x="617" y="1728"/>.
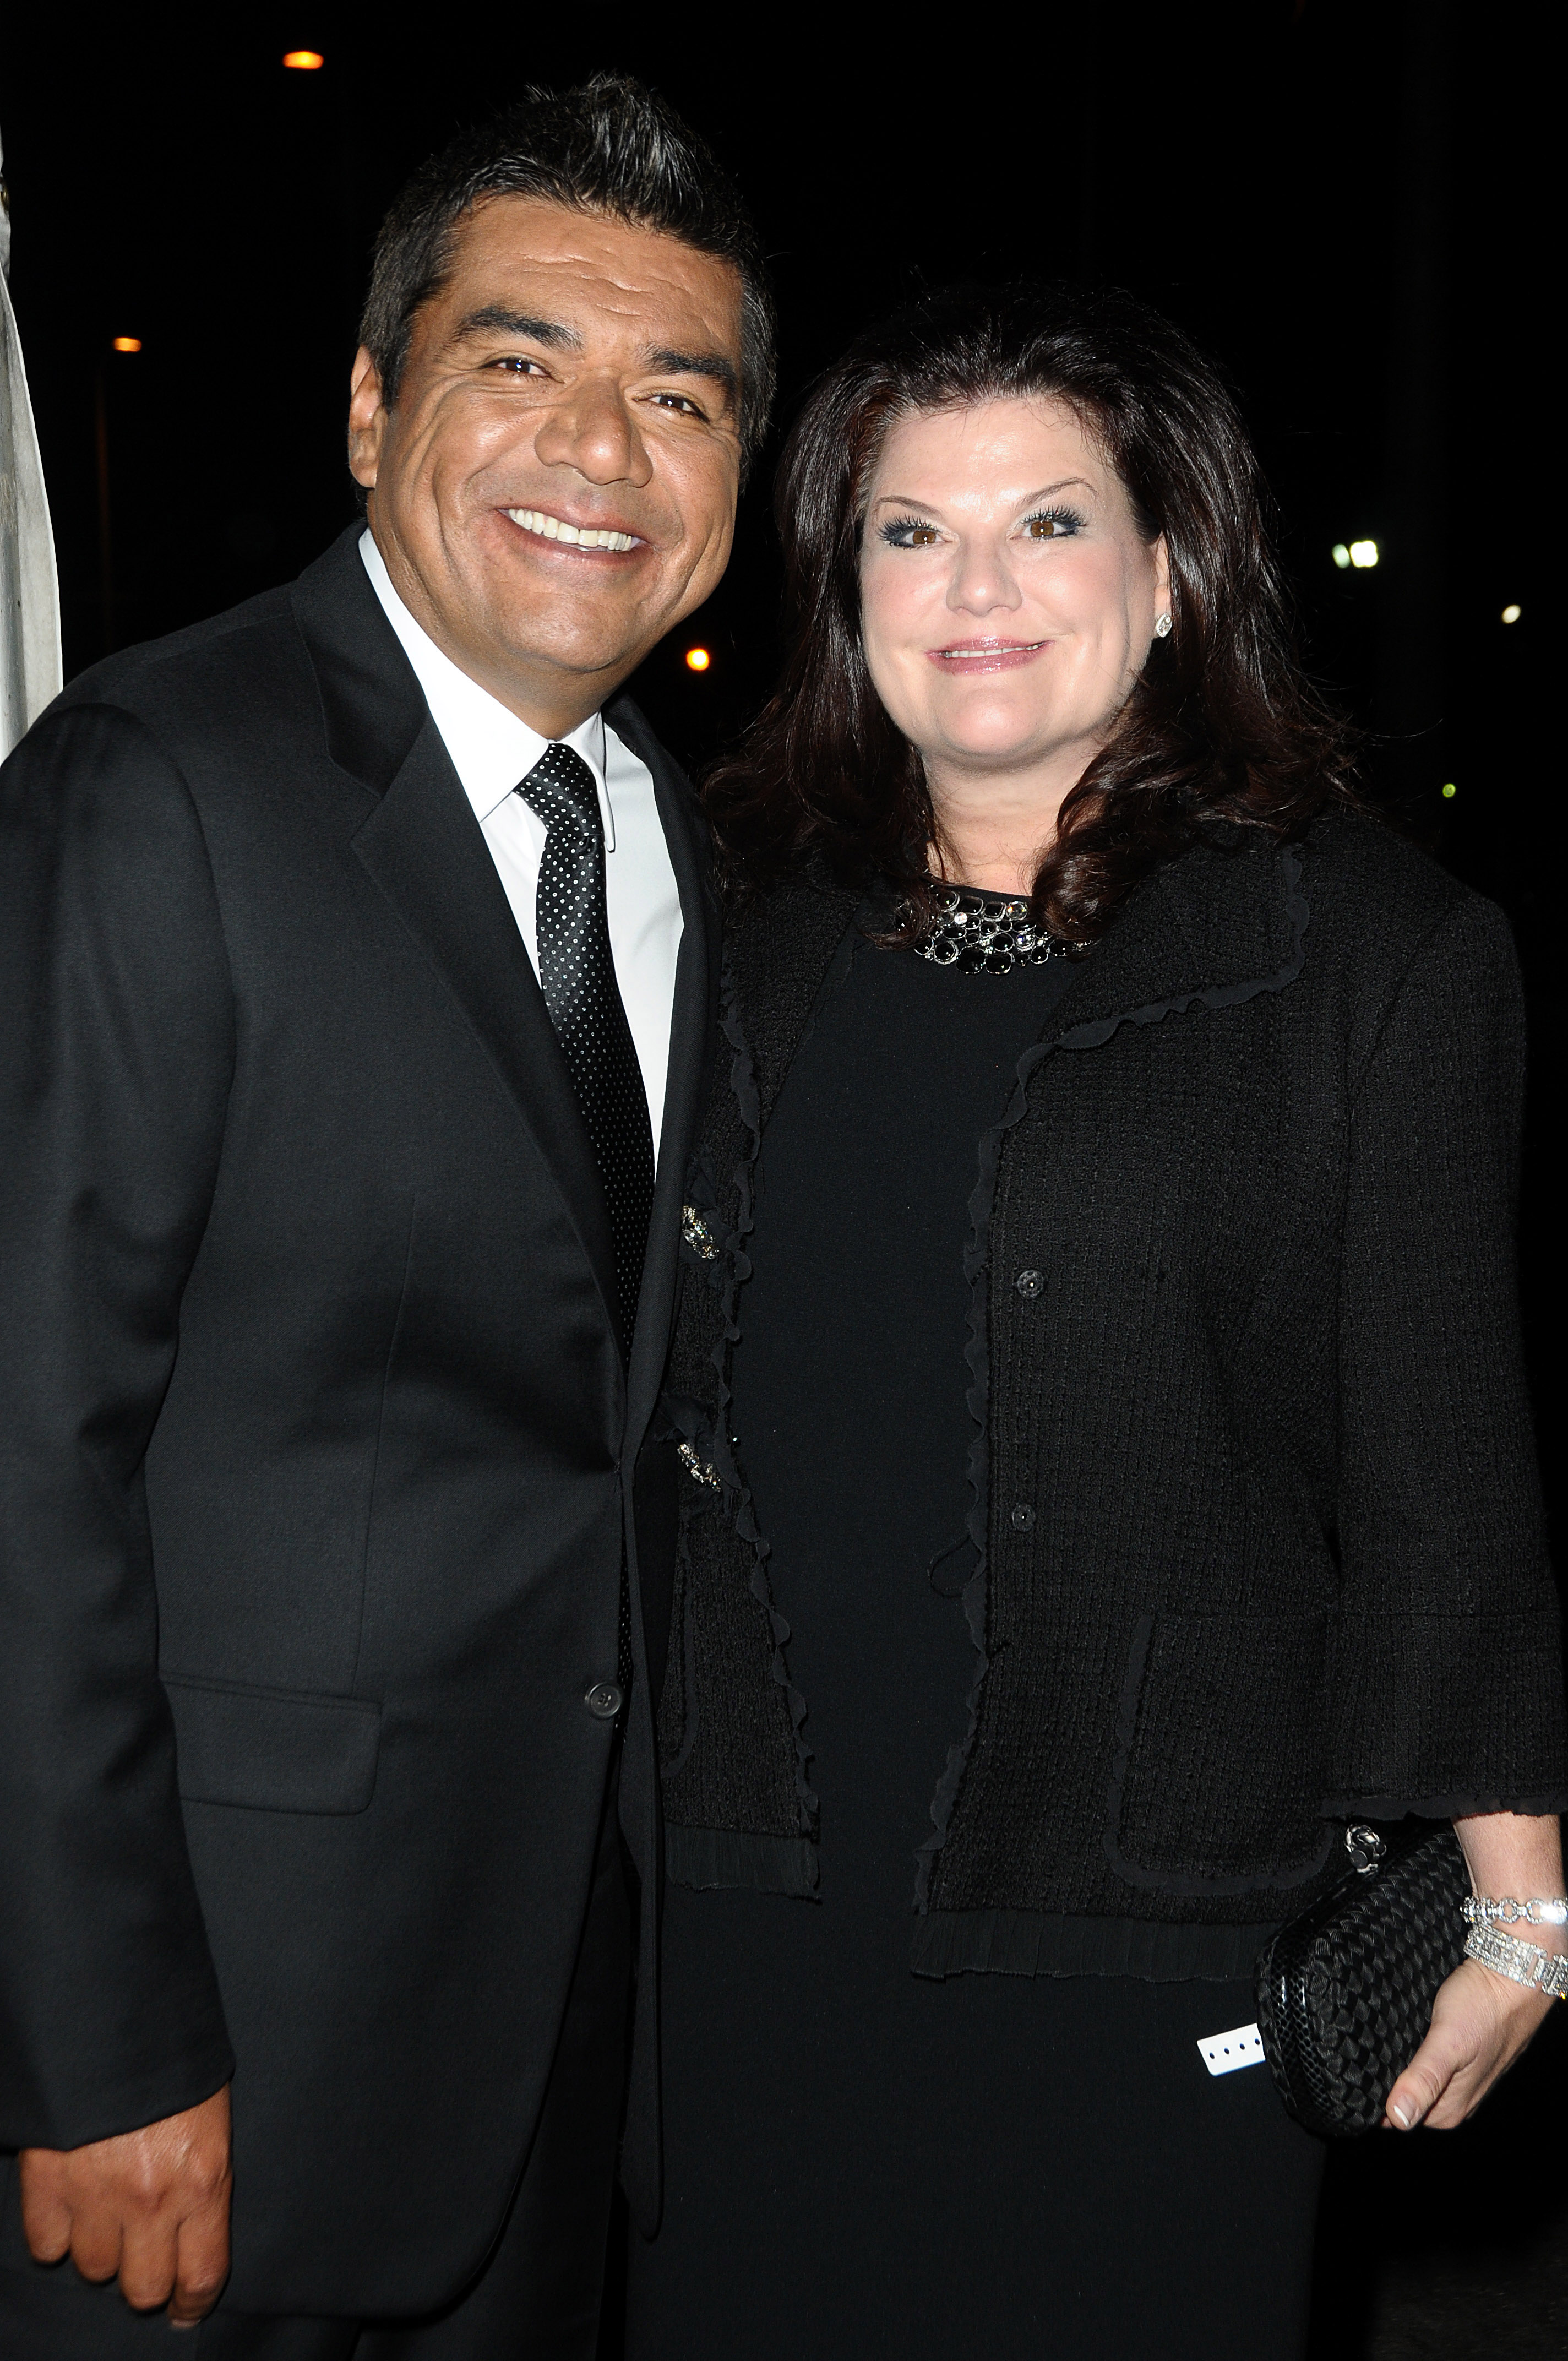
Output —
<point x="859" y="2161"/>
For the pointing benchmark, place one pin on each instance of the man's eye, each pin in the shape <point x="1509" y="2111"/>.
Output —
<point x="518" y="364"/>
<point x="680" y="402"/>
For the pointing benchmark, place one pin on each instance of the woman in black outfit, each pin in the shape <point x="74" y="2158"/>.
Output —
<point x="1107" y="1459"/>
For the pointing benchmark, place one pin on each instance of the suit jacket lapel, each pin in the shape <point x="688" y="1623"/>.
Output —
<point x="372" y="707"/>
<point x="426" y="851"/>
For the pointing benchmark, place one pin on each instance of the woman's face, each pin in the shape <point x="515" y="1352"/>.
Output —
<point x="1008" y="600"/>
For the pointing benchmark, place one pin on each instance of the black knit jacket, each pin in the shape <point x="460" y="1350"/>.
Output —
<point x="1256" y="1520"/>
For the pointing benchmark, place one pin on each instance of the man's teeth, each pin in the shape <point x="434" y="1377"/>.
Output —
<point x="582" y="536"/>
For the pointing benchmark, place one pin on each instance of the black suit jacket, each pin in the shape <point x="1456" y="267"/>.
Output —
<point x="318" y="1449"/>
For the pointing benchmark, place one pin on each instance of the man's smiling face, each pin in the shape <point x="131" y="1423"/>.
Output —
<point x="554" y="485"/>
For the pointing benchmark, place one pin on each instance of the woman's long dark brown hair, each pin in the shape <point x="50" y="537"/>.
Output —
<point x="1221" y="725"/>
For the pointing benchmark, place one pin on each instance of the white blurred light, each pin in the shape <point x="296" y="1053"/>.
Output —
<point x="1512" y="614"/>
<point x="1342" y="555"/>
<point x="1364" y="553"/>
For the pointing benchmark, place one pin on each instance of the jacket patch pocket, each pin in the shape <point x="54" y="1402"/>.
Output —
<point x="1220" y="1754"/>
<point x="273" y="1750"/>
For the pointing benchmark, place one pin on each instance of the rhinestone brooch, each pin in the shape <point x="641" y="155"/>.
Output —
<point x="697" y="1236"/>
<point x="697" y="1467"/>
<point x="983" y="933"/>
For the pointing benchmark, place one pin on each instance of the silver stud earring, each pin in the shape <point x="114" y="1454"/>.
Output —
<point x="1162" y="629"/>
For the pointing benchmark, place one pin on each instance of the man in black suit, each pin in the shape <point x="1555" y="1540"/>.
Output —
<point x="357" y="957"/>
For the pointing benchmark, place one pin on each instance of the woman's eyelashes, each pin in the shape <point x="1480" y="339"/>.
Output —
<point x="908" y="532"/>
<point x="1051" y="524"/>
<point x="1040" y="524"/>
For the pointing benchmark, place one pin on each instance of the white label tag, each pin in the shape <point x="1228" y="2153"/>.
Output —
<point x="1223" y="2053"/>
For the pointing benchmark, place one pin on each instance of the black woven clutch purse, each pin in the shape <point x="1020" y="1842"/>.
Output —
<point x="1344" y="1991"/>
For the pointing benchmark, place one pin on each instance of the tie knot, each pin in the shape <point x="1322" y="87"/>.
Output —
<point x="561" y="787"/>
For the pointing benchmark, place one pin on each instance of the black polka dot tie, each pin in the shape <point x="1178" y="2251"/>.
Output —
<point x="577" y="974"/>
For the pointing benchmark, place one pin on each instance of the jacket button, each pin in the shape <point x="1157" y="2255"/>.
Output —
<point x="1030" y="1283"/>
<point x="1023" y="1517"/>
<point x="603" y="1700"/>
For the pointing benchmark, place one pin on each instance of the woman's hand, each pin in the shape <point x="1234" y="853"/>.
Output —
<point x="1480" y="2021"/>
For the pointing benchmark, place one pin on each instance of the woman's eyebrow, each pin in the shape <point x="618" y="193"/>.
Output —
<point x="906" y="501"/>
<point x="1065" y="484"/>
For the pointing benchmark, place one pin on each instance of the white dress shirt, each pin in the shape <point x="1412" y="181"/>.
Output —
<point x="491" y="752"/>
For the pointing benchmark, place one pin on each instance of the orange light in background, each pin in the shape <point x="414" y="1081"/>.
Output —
<point x="304" y="61"/>
<point x="127" y="344"/>
<point x="697" y="659"/>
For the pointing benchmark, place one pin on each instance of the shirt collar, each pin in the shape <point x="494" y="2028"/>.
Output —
<point x="492" y="752"/>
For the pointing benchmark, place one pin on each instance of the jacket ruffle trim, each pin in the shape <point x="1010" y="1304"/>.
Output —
<point x="977" y="1358"/>
<point x="1216" y="995"/>
<point x="738" y="1269"/>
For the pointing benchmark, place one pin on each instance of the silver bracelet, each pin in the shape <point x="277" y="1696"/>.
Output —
<point x="1522" y="1963"/>
<point x="1544" y="1910"/>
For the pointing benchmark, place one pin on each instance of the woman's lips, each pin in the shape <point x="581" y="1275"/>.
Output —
<point x="967" y="656"/>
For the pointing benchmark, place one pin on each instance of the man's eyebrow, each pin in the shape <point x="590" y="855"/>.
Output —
<point x="494" y="319"/>
<point x="709" y="365"/>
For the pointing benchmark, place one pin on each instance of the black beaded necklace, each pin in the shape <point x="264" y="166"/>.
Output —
<point x="982" y="933"/>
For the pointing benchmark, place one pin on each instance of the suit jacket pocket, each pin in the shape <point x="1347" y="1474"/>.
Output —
<point x="273" y="1750"/>
<point x="1218" y="1773"/>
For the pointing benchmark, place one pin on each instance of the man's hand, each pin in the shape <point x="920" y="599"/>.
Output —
<point x="151" y="2205"/>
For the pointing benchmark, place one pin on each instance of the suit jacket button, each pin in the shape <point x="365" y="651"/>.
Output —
<point x="603" y="1700"/>
<point x="1023" y="1518"/>
<point x="1030" y="1283"/>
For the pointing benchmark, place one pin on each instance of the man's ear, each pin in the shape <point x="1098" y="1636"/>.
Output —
<point x="367" y="420"/>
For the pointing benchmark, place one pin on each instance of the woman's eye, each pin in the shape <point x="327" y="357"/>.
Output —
<point x="1052" y="525"/>
<point x="910" y="532"/>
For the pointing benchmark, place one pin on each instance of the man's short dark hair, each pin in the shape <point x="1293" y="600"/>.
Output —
<point x="609" y="146"/>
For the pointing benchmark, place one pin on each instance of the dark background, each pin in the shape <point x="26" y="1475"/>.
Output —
<point x="1337" y="199"/>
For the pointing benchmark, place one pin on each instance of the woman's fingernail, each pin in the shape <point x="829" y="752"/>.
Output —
<point x="1405" y="2116"/>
